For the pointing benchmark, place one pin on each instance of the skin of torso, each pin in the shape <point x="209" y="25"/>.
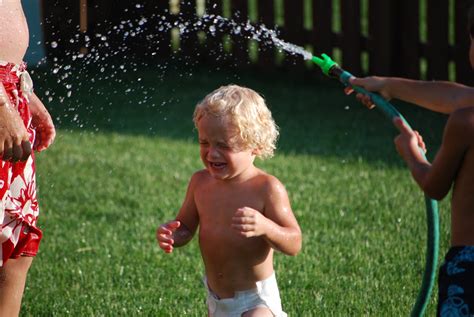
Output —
<point x="232" y="262"/>
<point x="14" y="34"/>
<point x="462" y="200"/>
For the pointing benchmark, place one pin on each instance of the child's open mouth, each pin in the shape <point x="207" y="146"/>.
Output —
<point x="216" y="165"/>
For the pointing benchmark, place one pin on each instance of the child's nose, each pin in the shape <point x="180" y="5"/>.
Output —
<point x="213" y="152"/>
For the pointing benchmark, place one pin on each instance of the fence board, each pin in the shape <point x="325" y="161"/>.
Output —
<point x="461" y="51"/>
<point x="266" y="12"/>
<point x="61" y="24"/>
<point x="159" y="35"/>
<point x="294" y="24"/>
<point x="188" y="40"/>
<point x="240" y="13"/>
<point x="409" y="37"/>
<point x="438" y="46"/>
<point x="322" y="27"/>
<point x="214" y="42"/>
<point x="101" y="22"/>
<point x="380" y="45"/>
<point x="351" y="44"/>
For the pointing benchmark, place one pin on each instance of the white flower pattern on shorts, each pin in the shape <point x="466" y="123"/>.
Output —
<point x="22" y="202"/>
<point x="18" y="201"/>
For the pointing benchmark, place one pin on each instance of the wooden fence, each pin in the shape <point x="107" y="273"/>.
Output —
<point x="380" y="37"/>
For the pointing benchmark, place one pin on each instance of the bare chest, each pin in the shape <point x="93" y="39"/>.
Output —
<point x="463" y="191"/>
<point x="218" y="204"/>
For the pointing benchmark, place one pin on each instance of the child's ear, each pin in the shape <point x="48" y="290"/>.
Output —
<point x="256" y="152"/>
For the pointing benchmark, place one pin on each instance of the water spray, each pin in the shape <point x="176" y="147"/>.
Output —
<point x="333" y="70"/>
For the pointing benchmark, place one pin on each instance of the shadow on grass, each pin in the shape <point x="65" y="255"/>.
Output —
<point x="314" y="115"/>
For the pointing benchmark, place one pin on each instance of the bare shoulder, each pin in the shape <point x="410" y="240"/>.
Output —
<point x="271" y="184"/>
<point x="463" y="121"/>
<point x="200" y="177"/>
<point x="465" y="96"/>
<point x="467" y="112"/>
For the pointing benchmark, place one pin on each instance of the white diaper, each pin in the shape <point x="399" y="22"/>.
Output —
<point x="265" y="294"/>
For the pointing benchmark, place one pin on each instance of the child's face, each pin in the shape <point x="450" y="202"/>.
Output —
<point x="219" y="150"/>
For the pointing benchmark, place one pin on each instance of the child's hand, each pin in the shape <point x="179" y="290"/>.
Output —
<point x="14" y="143"/>
<point x="249" y="222"/>
<point x="408" y="142"/>
<point x="373" y="83"/>
<point x="42" y="123"/>
<point x="164" y="235"/>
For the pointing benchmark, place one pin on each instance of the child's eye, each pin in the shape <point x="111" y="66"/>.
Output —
<point x="203" y="142"/>
<point x="223" y="146"/>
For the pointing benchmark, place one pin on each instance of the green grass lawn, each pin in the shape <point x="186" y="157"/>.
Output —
<point x="126" y="148"/>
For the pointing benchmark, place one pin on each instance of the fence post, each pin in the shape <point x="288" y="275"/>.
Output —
<point x="322" y="27"/>
<point x="293" y="30"/>
<point x="382" y="44"/>
<point x="214" y="42"/>
<point x="266" y="12"/>
<point x="351" y="38"/>
<point x="438" y="44"/>
<point x="461" y="48"/>
<point x="240" y="13"/>
<point x="188" y="41"/>
<point x="100" y="22"/>
<point x="161" y="11"/>
<point x="408" y="27"/>
<point x="83" y="25"/>
<point x="60" y="25"/>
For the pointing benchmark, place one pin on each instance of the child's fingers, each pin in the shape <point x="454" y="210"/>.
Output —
<point x="163" y="230"/>
<point x="173" y="225"/>
<point x="163" y="238"/>
<point x="354" y="81"/>
<point x="241" y="212"/>
<point x="348" y="90"/>
<point x="240" y="220"/>
<point x="165" y="242"/>
<point x="168" y="248"/>
<point x="421" y="143"/>
<point x="365" y="100"/>
<point x="167" y="229"/>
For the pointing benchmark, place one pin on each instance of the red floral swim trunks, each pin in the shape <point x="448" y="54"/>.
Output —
<point x="19" y="210"/>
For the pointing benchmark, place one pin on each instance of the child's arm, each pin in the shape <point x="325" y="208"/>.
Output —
<point x="42" y="123"/>
<point x="276" y="223"/>
<point x="179" y="232"/>
<point x="440" y="96"/>
<point x="436" y="179"/>
<point x="14" y="139"/>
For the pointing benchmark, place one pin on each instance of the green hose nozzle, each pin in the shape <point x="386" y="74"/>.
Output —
<point x="325" y="63"/>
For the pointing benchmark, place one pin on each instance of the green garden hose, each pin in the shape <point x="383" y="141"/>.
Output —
<point x="332" y="69"/>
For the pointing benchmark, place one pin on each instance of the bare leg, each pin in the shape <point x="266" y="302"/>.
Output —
<point x="258" y="312"/>
<point x="12" y="283"/>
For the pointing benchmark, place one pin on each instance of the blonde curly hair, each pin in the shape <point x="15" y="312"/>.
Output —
<point x="246" y="110"/>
